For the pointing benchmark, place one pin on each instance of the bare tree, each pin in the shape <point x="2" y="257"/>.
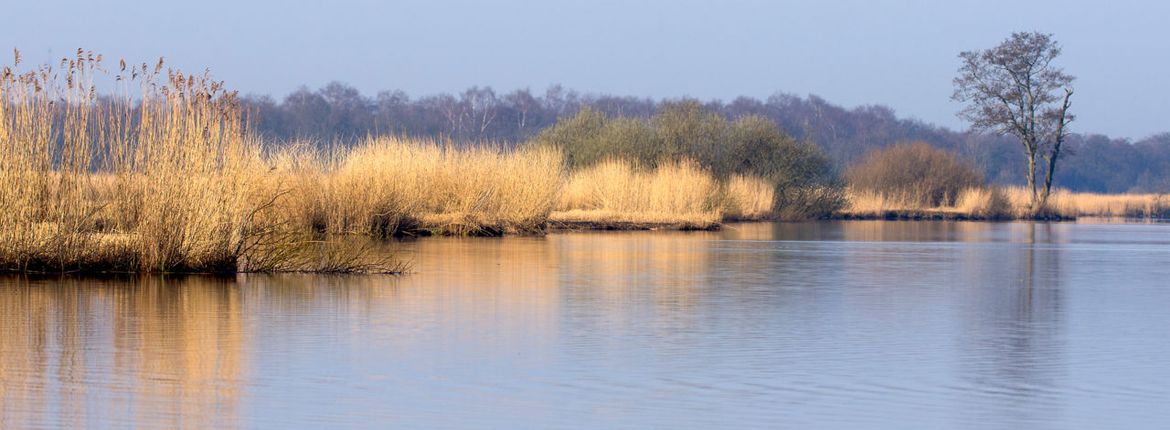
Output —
<point x="1015" y="89"/>
<point x="451" y="109"/>
<point x="523" y="102"/>
<point x="481" y="106"/>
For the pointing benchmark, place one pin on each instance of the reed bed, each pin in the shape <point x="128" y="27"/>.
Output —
<point x="392" y="187"/>
<point x="1068" y="204"/>
<point x="748" y="198"/>
<point x="971" y="203"/>
<point x="162" y="176"/>
<point x="389" y="187"/>
<point x="1010" y="203"/>
<point x="617" y="194"/>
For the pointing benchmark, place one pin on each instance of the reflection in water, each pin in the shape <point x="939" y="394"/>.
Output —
<point x="1011" y="346"/>
<point x="164" y="351"/>
<point x="814" y="325"/>
<point x="461" y="282"/>
<point x="663" y="272"/>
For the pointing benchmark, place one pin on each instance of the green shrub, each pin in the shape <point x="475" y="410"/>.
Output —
<point x="805" y="183"/>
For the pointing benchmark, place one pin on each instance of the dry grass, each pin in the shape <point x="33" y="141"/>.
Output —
<point x="975" y="202"/>
<point x="872" y="203"/>
<point x="1013" y="203"/>
<point x="389" y="186"/>
<point x="862" y="203"/>
<point x="165" y="177"/>
<point x="461" y="190"/>
<point x="748" y="198"/>
<point x="167" y="184"/>
<point x="1069" y="204"/>
<point x="985" y="203"/>
<point x="616" y="192"/>
<point x="162" y="177"/>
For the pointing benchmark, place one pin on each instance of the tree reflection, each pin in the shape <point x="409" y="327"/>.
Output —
<point x="1011" y="352"/>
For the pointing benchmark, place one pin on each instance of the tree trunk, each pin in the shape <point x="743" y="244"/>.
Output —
<point x="1034" y="207"/>
<point x="1058" y="140"/>
<point x="1048" y="175"/>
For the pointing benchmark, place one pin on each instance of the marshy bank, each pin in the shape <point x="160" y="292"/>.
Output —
<point x="1008" y="203"/>
<point x="917" y="181"/>
<point x="163" y="174"/>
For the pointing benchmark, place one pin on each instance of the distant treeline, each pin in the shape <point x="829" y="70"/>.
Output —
<point x="1094" y="162"/>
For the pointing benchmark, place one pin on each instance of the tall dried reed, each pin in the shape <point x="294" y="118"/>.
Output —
<point x="615" y="192"/>
<point x="1070" y="204"/>
<point x="391" y="186"/>
<point x="161" y="176"/>
<point x="1014" y="203"/>
<point x="748" y="198"/>
<point x="988" y="203"/>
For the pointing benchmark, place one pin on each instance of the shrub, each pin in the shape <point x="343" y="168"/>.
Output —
<point x="802" y="177"/>
<point x="915" y="174"/>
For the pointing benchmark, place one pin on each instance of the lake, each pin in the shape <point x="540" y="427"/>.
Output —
<point x="862" y="324"/>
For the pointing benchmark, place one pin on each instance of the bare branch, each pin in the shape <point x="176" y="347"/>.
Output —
<point x="1015" y="89"/>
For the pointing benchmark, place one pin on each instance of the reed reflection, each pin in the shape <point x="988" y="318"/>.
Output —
<point x="476" y="278"/>
<point x="634" y="298"/>
<point x="166" y="353"/>
<point x="671" y="267"/>
<point x="938" y="231"/>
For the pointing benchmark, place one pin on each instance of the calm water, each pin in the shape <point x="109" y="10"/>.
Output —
<point x="823" y="325"/>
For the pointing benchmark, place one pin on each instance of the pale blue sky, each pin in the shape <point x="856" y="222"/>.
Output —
<point x="898" y="53"/>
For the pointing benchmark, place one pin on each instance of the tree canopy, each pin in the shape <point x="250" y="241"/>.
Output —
<point x="1014" y="88"/>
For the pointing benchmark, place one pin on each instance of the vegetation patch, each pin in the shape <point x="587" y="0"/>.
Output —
<point x="161" y="176"/>
<point x="802" y="180"/>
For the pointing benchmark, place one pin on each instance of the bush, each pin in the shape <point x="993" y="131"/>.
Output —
<point x="803" y="178"/>
<point x="915" y="174"/>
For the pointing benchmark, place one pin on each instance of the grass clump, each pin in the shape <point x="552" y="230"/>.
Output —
<point x="982" y="203"/>
<point x="748" y="198"/>
<point x="161" y="176"/>
<point x="995" y="203"/>
<point x="621" y="194"/>
<point x="1068" y="204"/>
<point x="988" y="203"/>
<point x="389" y="187"/>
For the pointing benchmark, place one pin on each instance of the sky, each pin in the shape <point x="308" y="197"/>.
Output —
<point x="902" y="54"/>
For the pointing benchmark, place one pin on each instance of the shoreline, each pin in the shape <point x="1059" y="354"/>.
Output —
<point x="933" y="215"/>
<point x="558" y="227"/>
<point x="579" y="226"/>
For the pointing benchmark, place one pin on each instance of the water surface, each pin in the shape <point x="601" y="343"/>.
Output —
<point x="817" y="325"/>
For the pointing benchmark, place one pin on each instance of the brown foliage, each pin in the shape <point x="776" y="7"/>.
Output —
<point x="915" y="173"/>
